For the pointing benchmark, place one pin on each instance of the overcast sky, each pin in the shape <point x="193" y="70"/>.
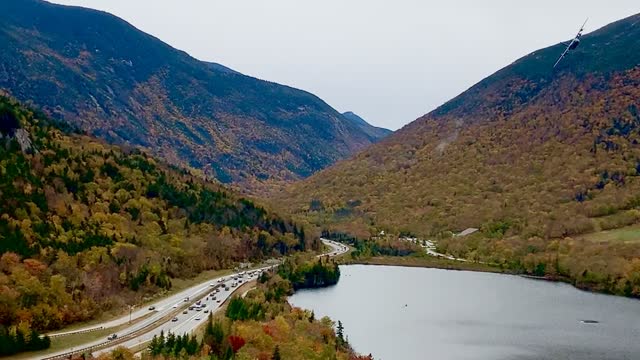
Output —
<point x="388" y="61"/>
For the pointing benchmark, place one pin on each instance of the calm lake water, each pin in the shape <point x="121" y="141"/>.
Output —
<point x="415" y="313"/>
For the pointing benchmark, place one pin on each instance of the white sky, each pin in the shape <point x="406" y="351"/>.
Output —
<point x="388" y="61"/>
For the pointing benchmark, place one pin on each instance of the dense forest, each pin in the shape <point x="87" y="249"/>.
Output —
<point x="86" y="227"/>
<point x="310" y="274"/>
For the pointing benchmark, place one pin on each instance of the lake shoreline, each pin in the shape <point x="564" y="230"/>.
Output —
<point x="428" y="262"/>
<point x="472" y="315"/>
<point x="446" y="264"/>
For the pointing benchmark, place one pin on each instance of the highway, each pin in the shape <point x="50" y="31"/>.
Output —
<point x="173" y="314"/>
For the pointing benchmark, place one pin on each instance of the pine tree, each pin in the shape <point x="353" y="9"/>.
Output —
<point x="192" y="345"/>
<point x="154" y="346"/>
<point x="228" y="354"/>
<point x="340" y="333"/>
<point x="276" y="353"/>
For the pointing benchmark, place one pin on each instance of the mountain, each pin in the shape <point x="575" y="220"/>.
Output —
<point x="374" y="132"/>
<point x="87" y="227"/>
<point x="528" y="154"/>
<point x="524" y="143"/>
<point x="101" y="74"/>
<point x="221" y="68"/>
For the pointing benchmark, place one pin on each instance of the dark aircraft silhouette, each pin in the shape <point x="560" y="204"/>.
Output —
<point x="572" y="44"/>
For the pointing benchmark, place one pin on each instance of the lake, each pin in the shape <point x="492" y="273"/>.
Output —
<point x="417" y="313"/>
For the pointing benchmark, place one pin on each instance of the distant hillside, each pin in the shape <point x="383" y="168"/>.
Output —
<point x="528" y="155"/>
<point x="87" y="227"/>
<point x="374" y="132"/>
<point x="525" y="143"/>
<point x="105" y="76"/>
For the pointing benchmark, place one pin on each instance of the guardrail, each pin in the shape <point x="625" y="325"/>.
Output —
<point x="51" y="336"/>
<point x="131" y="335"/>
<point x="110" y="343"/>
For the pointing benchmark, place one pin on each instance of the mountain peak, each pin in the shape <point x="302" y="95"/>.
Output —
<point x="607" y="50"/>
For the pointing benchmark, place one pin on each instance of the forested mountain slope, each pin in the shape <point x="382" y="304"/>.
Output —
<point x="528" y="155"/>
<point x="98" y="72"/>
<point x="547" y="150"/>
<point x="87" y="227"/>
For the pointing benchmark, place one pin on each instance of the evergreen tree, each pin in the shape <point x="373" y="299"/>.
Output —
<point x="276" y="353"/>
<point x="192" y="345"/>
<point x="340" y="333"/>
<point x="154" y="346"/>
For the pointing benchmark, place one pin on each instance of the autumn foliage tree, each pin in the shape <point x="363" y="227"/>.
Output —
<point x="87" y="227"/>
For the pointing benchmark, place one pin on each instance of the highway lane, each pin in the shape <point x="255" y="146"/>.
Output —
<point x="185" y="323"/>
<point x="160" y="308"/>
<point x="189" y="319"/>
<point x="163" y="308"/>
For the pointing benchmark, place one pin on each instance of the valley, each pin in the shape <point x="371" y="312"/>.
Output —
<point x="157" y="205"/>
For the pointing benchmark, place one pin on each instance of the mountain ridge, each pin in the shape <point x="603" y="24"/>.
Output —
<point x="100" y="73"/>
<point x="374" y="131"/>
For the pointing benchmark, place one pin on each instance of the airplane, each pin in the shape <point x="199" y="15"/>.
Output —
<point x="572" y="44"/>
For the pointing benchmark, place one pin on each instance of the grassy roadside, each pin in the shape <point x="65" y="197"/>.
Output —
<point x="69" y="341"/>
<point x="426" y="262"/>
<point x="627" y="234"/>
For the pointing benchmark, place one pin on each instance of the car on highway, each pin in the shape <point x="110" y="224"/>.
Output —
<point x="152" y="307"/>
<point x="174" y="319"/>
<point x="186" y="299"/>
<point x="218" y="301"/>
<point x="198" y="309"/>
<point x="112" y="337"/>
<point x="198" y="318"/>
<point x="185" y="312"/>
<point x="206" y="311"/>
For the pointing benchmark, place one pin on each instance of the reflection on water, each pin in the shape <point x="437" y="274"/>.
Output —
<point x="415" y="313"/>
